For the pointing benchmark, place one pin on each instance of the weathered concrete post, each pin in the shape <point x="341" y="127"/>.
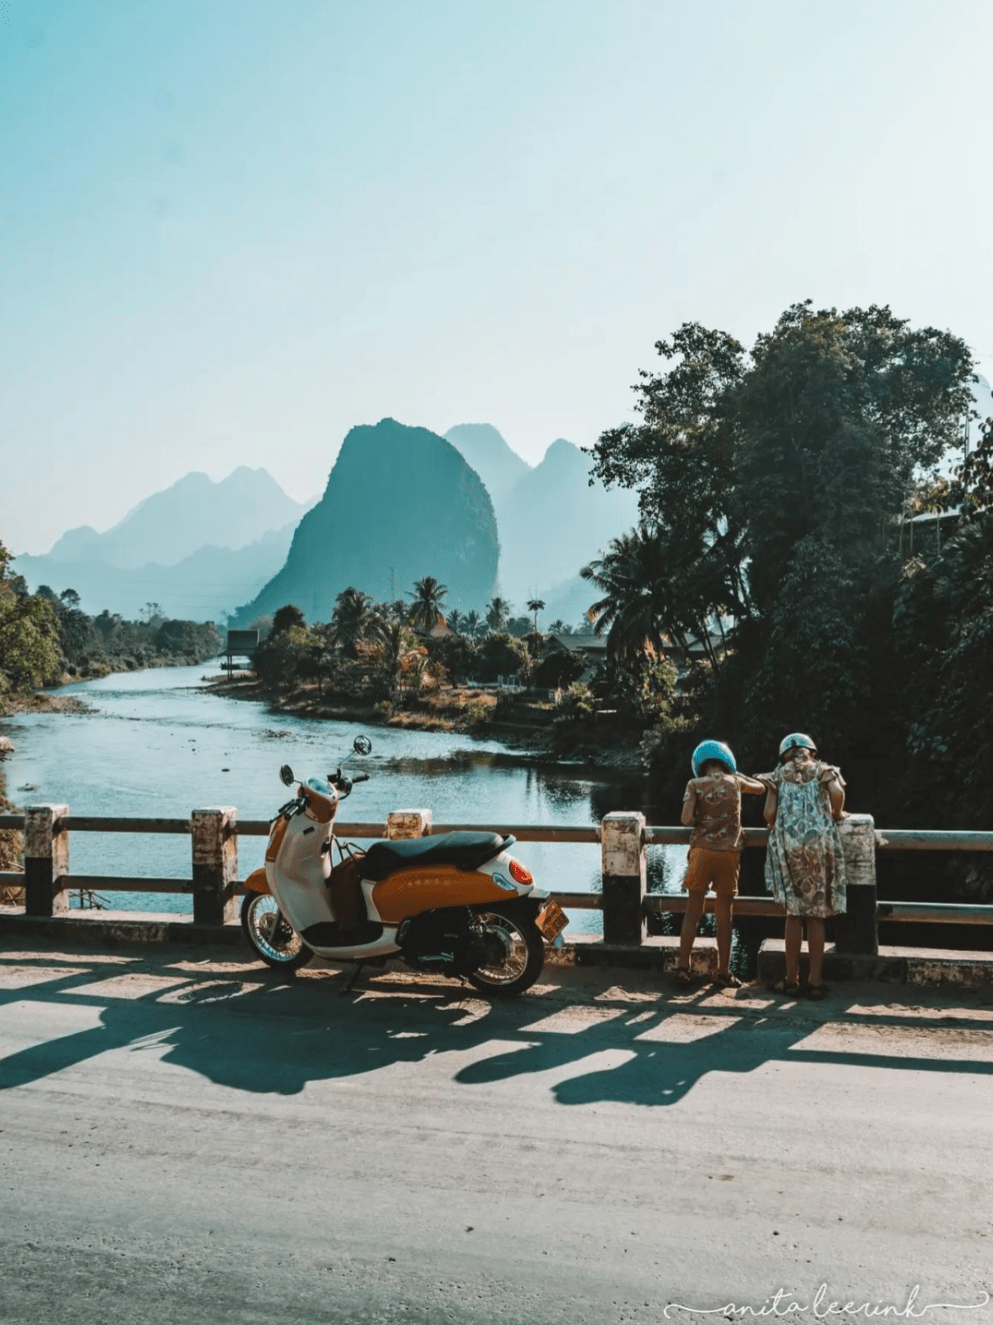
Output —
<point x="858" y="931"/>
<point x="622" y="845"/>
<point x="46" y="860"/>
<point x="215" y="864"/>
<point x="402" y="825"/>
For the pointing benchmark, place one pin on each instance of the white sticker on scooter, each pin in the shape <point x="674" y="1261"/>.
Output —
<point x="503" y="883"/>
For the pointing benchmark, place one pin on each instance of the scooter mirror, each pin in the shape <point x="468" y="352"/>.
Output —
<point x="286" y="775"/>
<point x="362" y="745"/>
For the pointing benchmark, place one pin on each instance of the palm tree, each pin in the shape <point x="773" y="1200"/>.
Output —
<point x="456" y="621"/>
<point x="473" y="625"/>
<point x="353" y="619"/>
<point x="497" y="614"/>
<point x="637" y="607"/>
<point x="426" y="611"/>
<point x="535" y="605"/>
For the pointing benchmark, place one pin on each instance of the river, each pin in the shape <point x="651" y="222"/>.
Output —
<point x="156" y="744"/>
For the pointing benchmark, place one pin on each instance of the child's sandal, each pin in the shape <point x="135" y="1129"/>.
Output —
<point x="816" y="992"/>
<point x="725" y="980"/>
<point x="784" y="986"/>
<point x="683" y="976"/>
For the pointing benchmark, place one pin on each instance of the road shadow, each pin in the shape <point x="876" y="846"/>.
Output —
<point x="257" y="1032"/>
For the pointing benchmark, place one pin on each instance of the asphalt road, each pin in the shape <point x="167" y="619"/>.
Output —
<point x="185" y="1138"/>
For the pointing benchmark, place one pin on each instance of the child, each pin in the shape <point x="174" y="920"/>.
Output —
<point x="805" y="863"/>
<point x="712" y="808"/>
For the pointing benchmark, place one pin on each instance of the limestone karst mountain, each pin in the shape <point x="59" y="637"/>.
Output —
<point x="400" y="503"/>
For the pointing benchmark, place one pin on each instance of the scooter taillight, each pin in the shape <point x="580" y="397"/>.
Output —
<point x="518" y="873"/>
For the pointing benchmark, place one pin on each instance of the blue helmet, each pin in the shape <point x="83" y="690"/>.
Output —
<point x="794" y="740"/>
<point x="712" y="750"/>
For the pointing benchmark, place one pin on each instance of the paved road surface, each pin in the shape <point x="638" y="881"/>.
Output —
<point x="185" y="1138"/>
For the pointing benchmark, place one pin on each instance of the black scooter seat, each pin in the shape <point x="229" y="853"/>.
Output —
<point x="466" y="851"/>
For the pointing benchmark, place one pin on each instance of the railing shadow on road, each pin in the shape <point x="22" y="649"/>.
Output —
<point x="256" y="1032"/>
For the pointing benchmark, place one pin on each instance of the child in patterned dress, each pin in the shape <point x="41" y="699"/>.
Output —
<point x="805" y="862"/>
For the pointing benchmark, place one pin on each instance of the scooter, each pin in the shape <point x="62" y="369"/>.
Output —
<point x="459" y="904"/>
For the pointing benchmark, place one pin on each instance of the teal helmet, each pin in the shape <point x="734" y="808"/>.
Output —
<point x="795" y="740"/>
<point x="712" y="750"/>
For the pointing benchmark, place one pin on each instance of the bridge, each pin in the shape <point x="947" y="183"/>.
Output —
<point x="624" y="902"/>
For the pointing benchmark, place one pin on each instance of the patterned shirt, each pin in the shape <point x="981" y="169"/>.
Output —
<point x="715" y="805"/>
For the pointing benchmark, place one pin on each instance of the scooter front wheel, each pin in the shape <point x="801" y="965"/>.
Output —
<point x="515" y="955"/>
<point x="270" y="935"/>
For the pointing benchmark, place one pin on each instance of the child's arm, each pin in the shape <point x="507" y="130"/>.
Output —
<point x="834" y="785"/>
<point x="771" y="801"/>
<point x="752" y="786"/>
<point x="688" y="816"/>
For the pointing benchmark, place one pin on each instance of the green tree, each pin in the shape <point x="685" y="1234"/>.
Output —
<point x="497" y="614"/>
<point x="776" y="479"/>
<point x="287" y="618"/>
<point x="428" y="596"/>
<point x="29" y="651"/>
<point x="353" y="620"/>
<point x="535" y="605"/>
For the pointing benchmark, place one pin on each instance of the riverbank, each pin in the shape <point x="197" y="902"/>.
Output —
<point x="534" y="727"/>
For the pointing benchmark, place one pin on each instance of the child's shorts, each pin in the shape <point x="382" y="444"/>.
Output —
<point x="712" y="869"/>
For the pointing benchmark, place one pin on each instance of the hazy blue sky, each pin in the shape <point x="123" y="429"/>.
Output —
<point x="230" y="230"/>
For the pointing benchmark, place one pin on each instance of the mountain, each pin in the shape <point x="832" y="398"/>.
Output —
<point x="204" y="586"/>
<point x="400" y="503"/>
<point x="552" y="522"/>
<point x="494" y="461"/>
<point x="194" y="512"/>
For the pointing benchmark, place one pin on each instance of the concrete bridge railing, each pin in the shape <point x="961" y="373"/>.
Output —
<point x="623" y="838"/>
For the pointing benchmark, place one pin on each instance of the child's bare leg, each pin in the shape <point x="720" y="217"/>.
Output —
<point x="722" y="912"/>
<point x="815" y="950"/>
<point x="694" y="910"/>
<point x="794" y="937"/>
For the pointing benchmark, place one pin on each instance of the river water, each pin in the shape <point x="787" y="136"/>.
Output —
<point x="155" y="744"/>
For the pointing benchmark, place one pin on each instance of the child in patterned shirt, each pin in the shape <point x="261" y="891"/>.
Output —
<point x="712" y="808"/>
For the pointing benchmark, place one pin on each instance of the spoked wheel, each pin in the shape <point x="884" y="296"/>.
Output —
<point x="270" y="935"/>
<point x="515" y="954"/>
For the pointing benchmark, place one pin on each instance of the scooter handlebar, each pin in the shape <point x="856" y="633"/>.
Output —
<point x="360" y="777"/>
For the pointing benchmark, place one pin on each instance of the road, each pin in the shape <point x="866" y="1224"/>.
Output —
<point x="186" y="1137"/>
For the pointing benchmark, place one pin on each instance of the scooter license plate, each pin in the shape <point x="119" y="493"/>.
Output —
<point x="552" y="920"/>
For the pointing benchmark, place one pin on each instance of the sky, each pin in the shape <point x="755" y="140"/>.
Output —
<point x="231" y="230"/>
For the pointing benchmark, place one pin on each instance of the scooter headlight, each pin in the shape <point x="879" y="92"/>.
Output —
<point x="518" y="873"/>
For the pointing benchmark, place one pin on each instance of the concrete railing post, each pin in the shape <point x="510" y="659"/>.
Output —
<point x="402" y="825"/>
<point x="46" y="860"/>
<point x="215" y="864"/>
<point x="858" y="931"/>
<point x="622" y="845"/>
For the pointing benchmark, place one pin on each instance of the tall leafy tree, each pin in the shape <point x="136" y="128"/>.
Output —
<point x="354" y="619"/>
<point x="497" y="614"/>
<point x="428" y="596"/>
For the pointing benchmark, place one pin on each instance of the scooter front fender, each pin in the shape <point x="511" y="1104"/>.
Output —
<point x="257" y="881"/>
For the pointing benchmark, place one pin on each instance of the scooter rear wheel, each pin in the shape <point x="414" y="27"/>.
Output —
<point x="270" y="935"/>
<point x="517" y="955"/>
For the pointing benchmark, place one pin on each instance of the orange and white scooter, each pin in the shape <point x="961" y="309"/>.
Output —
<point x="459" y="904"/>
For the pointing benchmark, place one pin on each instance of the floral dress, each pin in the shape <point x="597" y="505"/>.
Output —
<point x="805" y="862"/>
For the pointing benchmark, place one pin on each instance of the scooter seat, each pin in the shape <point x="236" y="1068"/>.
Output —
<point x="466" y="851"/>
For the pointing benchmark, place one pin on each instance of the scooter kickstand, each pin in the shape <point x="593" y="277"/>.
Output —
<point x="355" y="975"/>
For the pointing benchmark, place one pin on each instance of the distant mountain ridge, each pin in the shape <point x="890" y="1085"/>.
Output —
<point x="193" y="512"/>
<point x="486" y="450"/>
<point x="198" y="548"/>
<point x="551" y="520"/>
